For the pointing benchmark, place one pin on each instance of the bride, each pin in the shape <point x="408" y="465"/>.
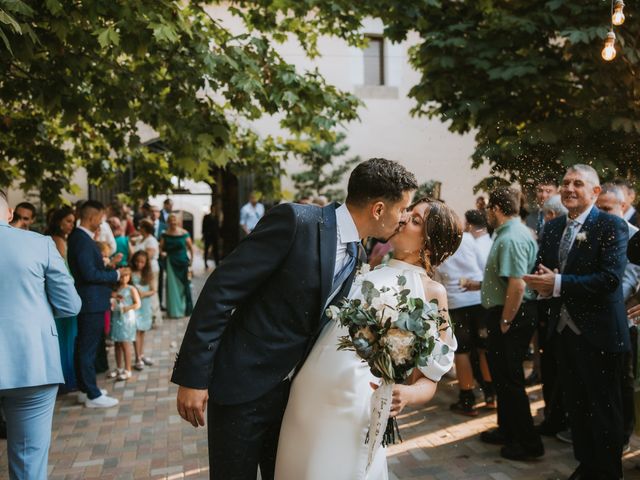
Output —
<point x="327" y="418"/>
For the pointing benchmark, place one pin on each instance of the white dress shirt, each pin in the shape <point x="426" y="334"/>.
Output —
<point x="629" y="213"/>
<point x="565" y="318"/>
<point x="462" y="264"/>
<point x="484" y="247"/>
<point x="347" y="233"/>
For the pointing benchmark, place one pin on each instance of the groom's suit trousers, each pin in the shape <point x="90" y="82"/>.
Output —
<point x="241" y="437"/>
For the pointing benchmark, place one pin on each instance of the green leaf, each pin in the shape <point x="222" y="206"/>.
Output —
<point x="54" y="6"/>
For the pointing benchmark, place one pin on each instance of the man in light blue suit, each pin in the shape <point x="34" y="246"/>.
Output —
<point x="35" y="287"/>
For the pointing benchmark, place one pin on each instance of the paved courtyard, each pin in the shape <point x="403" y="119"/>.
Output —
<point x="145" y="438"/>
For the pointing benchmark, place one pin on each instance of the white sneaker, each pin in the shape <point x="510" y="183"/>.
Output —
<point x="103" y="401"/>
<point x="82" y="397"/>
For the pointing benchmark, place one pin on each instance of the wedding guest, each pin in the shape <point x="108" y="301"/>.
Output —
<point x="142" y="279"/>
<point x="61" y="224"/>
<point x="511" y="322"/>
<point x="476" y="221"/>
<point x="461" y="275"/>
<point x="37" y="289"/>
<point x="546" y="188"/>
<point x="23" y="216"/>
<point x="123" y="323"/>
<point x="481" y="203"/>
<point x="210" y="236"/>
<point x="581" y="265"/>
<point x="143" y="212"/>
<point x="93" y="282"/>
<point x="380" y="252"/>
<point x="149" y="244"/>
<point x="123" y="244"/>
<point x="102" y="361"/>
<point x="553" y="208"/>
<point x="555" y="416"/>
<point x="161" y="217"/>
<point x="127" y="221"/>
<point x="612" y="200"/>
<point x="176" y="249"/>
<point x="104" y="233"/>
<point x="630" y="214"/>
<point x="250" y="214"/>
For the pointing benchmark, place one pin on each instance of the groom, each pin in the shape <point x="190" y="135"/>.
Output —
<point x="261" y="311"/>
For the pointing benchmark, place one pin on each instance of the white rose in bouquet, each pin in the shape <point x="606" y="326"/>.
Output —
<point x="399" y="344"/>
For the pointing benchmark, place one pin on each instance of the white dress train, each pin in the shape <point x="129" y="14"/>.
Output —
<point x="327" y="417"/>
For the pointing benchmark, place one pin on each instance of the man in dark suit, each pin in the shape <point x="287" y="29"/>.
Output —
<point x="581" y="265"/>
<point x="210" y="233"/>
<point x="93" y="282"/>
<point x="262" y="309"/>
<point x="546" y="188"/>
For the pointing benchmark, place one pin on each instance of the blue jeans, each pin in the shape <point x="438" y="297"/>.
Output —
<point x="90" y="328"/>
<point x="29" y="413"/>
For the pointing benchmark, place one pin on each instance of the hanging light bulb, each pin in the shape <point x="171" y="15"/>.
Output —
<point x="617" y="18"/>
<point x="609" y="50"/>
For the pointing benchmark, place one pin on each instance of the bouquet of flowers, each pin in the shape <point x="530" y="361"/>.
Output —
<point x="394" y="333"/>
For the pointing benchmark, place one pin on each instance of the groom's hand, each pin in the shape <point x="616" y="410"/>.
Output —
<point x="192" y="403"/>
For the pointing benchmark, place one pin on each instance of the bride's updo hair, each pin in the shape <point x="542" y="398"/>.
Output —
<point x="442" y="233"/>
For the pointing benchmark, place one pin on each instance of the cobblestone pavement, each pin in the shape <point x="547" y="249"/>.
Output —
<point x="145" y="438"/>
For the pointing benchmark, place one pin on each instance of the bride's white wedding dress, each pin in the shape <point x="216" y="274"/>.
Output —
<point x="327" y="417"/>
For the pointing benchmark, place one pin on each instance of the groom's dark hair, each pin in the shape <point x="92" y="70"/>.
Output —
<point x="378" y="178"/>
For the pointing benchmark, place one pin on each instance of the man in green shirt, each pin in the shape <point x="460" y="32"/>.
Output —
<point x="511" y="322"/>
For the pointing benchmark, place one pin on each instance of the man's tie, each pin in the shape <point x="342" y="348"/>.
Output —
<point x="565" y="242"/>
<point x="342" y="275"/>
<point x="540" y="224"/>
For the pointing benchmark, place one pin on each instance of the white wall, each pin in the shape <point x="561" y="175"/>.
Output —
<point x="386" y="128"/>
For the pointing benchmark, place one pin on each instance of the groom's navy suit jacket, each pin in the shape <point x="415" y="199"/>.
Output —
<point x="592" y="279"/>
<point x="261" y="310"/>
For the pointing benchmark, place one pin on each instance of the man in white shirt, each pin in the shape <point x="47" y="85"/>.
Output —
<point x="250" y="214"/>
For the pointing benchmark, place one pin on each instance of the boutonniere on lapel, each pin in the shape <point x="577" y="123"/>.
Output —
<point x="581" y="237"/>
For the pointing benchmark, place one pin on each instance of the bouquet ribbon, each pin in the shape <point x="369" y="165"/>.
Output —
<point x="380" y="409"/>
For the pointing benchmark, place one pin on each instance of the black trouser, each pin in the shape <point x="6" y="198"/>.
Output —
<point x="506" y="352"/>
<point x="241" y="437"/>
<point x="628" y="389"/>
<point x="160" y="285"/>
<point x="593" y="399"/>
<point x="90" y="331"/>
<point x="555" y="416"/>
<point x="211" y="243"/>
